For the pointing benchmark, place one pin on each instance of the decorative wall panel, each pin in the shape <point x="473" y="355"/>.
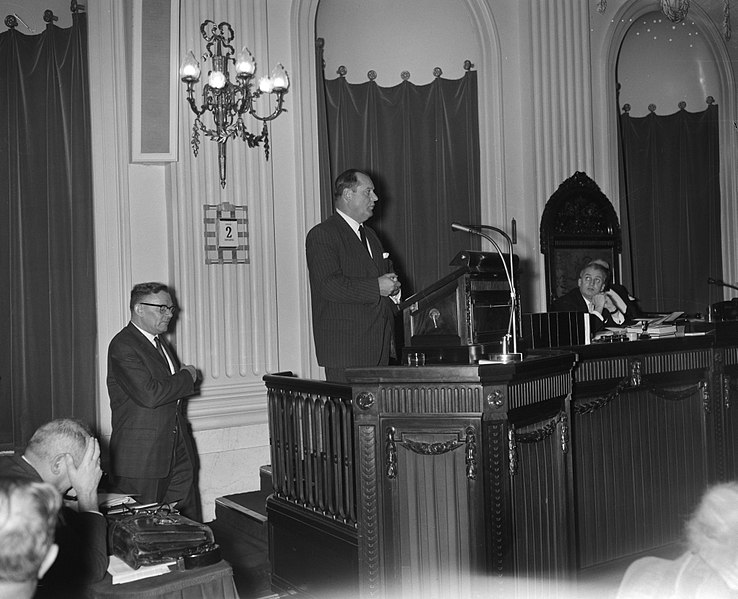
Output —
<point x="229" y="310"/>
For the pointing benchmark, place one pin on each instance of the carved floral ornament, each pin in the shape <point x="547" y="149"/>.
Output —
<point x="676" y="11"/>
<point x="436" y="448"/>
<point x="513" y="438"/>
<point x="636" y="381"/>
<point x="365" y="400"/>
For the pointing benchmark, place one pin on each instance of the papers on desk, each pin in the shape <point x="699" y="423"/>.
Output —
<point x="114" y="503"/>
<point x="107" y="500"/>
<point x="655" y="330"/>
<point x="122" y="572"/>
<point x="656" y="327"/>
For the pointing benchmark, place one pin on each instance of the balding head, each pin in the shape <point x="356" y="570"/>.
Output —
<point x="48" y="445"/>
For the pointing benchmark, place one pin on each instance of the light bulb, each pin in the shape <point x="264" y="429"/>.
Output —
<point x="245" y="63"/>
<point x="190" y="69"/>
<point x="280" y="80"/>
<point x="266" y="85"/>
<point x="216" y="80"/>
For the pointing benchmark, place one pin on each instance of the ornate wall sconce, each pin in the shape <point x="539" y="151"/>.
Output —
<point x="226" y="100"/>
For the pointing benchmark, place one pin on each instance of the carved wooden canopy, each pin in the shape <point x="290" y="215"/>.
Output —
<point x="579" y="224"/>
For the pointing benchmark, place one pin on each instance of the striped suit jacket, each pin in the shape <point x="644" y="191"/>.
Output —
<point x="352" y="324"/>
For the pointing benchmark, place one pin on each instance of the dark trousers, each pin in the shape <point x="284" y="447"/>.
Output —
<point x="178" y="487"/>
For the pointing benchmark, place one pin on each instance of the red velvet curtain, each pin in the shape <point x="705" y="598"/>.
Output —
<point x="47" y="283"/>
<point x="420" y="144"/>
<point x="671" y="221"/>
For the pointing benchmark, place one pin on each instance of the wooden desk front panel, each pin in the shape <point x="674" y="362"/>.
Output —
<point x="457" y="478"/>
<point x="726" y="366"/>
<point x="432" y="541"/>
<point x="540" y="504"/>
<point x="643" y="452"/>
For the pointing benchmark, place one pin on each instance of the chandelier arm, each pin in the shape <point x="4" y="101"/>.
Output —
<point x="191" y="101"/>
<point x="277" y="111"/>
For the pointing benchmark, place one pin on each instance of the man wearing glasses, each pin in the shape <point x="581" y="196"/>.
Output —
<point x="152" y="453"/>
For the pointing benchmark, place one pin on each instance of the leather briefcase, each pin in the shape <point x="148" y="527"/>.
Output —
<point x="159" y="535"/>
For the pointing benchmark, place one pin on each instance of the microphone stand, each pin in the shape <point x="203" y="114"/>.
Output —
<point x="711" y="281"/>
<point x="511" y="338"/>
<point x="511" y="281"/>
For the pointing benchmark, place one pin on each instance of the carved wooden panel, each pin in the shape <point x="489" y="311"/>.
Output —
<point x="430" y="531"/>
<point x="371" y="579"/>
<point x="641" y="463"/>
<point x="597" y="370"/>
<point x="431" y="398"/>
<point x="677" y="361"/>
<point x="539" y="502"/>
<point x="529" y="392"/>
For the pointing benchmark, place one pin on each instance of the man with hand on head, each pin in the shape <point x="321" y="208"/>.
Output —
<point x="152" y="452"/>
<point x="589" y="296"/>
<point x="352" y="282"/>
<point x="626" y="306"/>
<point x="64" y="454"/>
<point x="28" y="514"/>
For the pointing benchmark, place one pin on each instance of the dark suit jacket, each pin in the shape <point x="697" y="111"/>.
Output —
<point x="633" y="311"/>
<point x="352" y="323"/>
<point x="144" y="399"/>
<point x="82" y="540"/>
<point x="573" y="301"/>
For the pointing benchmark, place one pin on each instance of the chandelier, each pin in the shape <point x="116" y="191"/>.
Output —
<point x="226" y="100"/>
<point x="675" y="10"/>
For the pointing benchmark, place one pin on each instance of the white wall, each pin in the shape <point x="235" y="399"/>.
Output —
<point x="664" y="63"/>
<point x="390" y="37"/>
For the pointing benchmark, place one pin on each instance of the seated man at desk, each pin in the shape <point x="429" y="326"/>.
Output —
<point x="626" y="304"/>
<point x="64" y="454"/>
<point x="589" y="296"/>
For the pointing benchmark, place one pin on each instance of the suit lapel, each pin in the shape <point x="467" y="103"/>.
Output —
<point x="353" y="241"/>
<point x="148" y="348"/>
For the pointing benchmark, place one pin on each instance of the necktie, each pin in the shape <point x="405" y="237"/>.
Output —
<point x="162" y="352"/>
<point x="362" y="234"/>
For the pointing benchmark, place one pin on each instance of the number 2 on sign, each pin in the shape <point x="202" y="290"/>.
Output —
<point x="228" y="233"/>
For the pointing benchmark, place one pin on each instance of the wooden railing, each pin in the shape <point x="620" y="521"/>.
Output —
<point x="311" y="438"/>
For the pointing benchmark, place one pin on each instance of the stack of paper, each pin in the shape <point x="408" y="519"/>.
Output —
<point x="108" y="500"/>
<point x="122" y="572"/>
<point x="656" y="327"/>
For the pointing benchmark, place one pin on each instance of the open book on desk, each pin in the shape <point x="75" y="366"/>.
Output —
<point x="656" y="327"/>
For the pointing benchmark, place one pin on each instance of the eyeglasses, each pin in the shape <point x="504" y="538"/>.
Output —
<point x="162" y="308"/>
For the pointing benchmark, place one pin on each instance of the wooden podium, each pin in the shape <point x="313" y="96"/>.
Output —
<point x="463" y="316"/>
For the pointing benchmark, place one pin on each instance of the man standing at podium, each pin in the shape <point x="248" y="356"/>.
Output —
<point x="351" y="282"/>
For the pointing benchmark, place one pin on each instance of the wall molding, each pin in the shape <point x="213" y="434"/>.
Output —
<point x="155" y="81"/>
<point x="109" y="118"/>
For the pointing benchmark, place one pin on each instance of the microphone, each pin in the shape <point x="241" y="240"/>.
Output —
<point x="466" y="228"/>
<point x="512" y="326"/>
<point x="711" y="281"/>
